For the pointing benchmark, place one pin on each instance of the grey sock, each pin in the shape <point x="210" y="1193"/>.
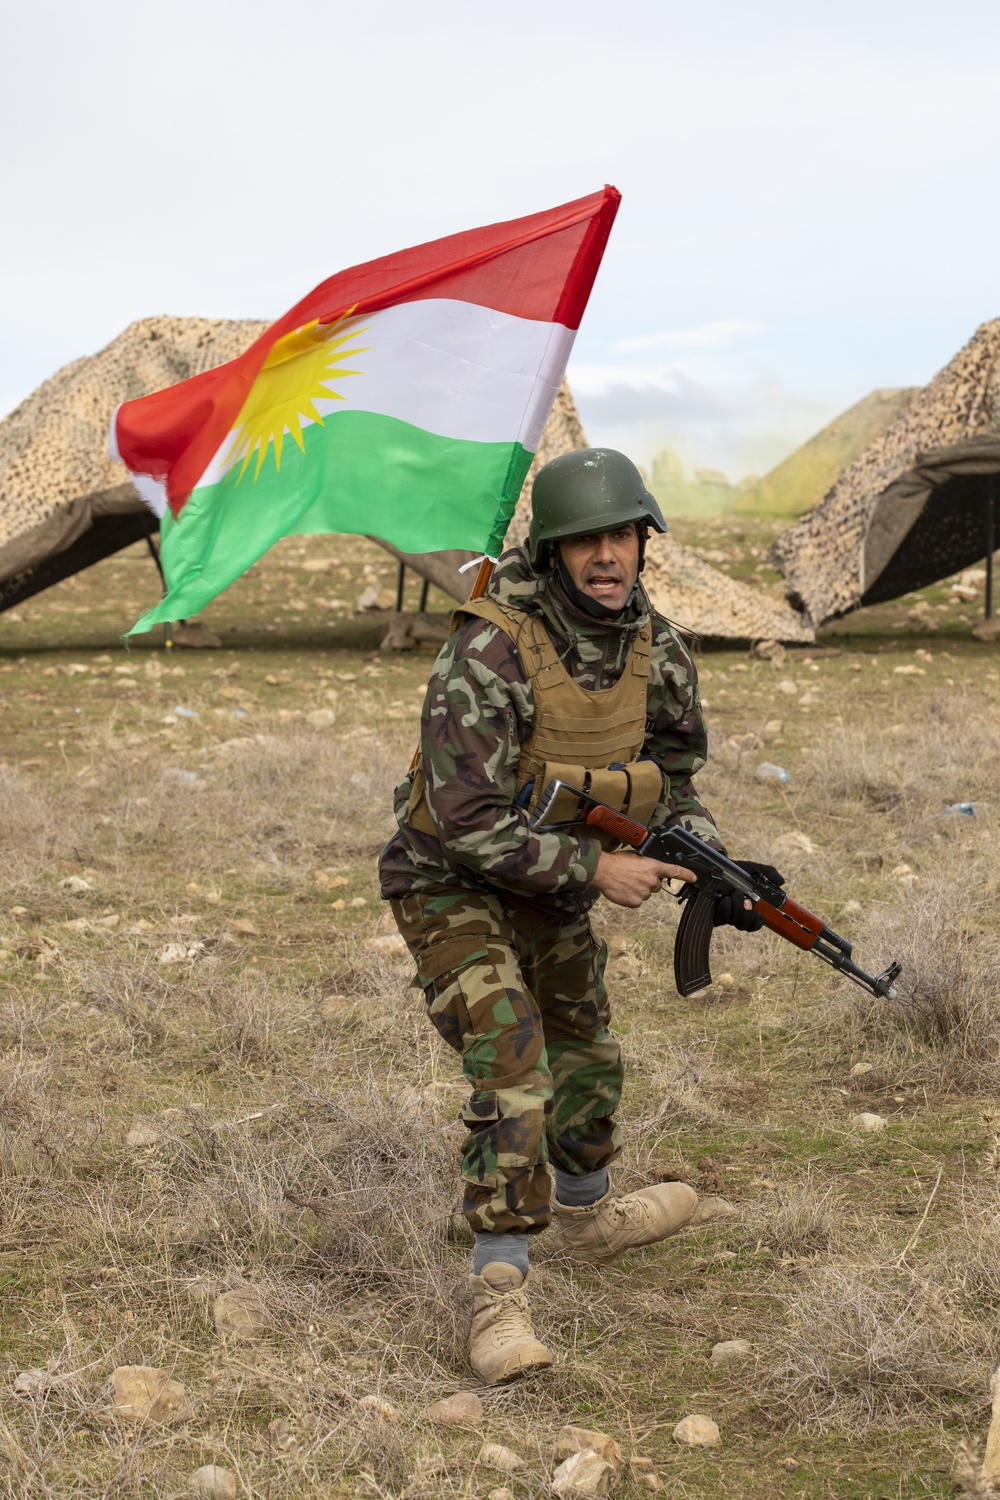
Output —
<point x="579" y="1191"/>
<point x="511" y="1249"/>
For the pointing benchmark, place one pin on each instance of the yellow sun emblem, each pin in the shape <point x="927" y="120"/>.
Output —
<point x="293" y="377"/>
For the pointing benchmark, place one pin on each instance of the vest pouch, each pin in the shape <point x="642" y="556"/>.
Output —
<point x="634" y="791"/>
<point x="645" y="789"/>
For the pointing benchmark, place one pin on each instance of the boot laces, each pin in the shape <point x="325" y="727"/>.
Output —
<point x="629" y="1210"/>
<point x="513" y="1319"/>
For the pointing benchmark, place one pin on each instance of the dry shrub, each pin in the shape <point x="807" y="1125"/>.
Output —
<point x="947" y="1005"/>
<point x="905" y="768"/>
<point x="868" y="769"/>
<point x="798" y="1220"/>
<point x="678" y="1080"/>
<point x="883" y="1347"/>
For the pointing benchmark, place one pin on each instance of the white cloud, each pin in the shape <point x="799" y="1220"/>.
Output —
<point x="708" y="336"/>
<point x="741" y="421"/>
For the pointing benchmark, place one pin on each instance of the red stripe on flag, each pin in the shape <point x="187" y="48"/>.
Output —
<point x="540" y="267"/>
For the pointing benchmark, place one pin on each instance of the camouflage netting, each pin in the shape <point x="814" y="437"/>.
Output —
<point x="912" y="508"/>
<point x="64" y="503"/>
<point x="708" y="603"/>
<point x="61" y="496"/>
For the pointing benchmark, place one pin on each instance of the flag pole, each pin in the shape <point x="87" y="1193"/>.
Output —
<point x="482" y="579"/>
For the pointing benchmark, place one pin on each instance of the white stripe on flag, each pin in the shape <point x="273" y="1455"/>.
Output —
<point x="456" y="369"/>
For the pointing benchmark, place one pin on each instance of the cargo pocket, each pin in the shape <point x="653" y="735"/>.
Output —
<point x="446" y="954"/>
<point x="481" y="1150"/>
<point x="441" y="967"/>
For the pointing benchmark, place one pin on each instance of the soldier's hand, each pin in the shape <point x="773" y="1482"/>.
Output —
<point x="629" y="879"/>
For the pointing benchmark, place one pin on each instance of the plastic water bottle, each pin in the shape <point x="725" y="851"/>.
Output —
<point x="968" y="809"/>
<point x="768" y="771"/>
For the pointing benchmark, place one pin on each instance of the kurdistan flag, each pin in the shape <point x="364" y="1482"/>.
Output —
<point x="402" y="399"/>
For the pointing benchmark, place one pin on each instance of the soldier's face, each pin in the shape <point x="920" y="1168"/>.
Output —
<point x="603" y="565"/>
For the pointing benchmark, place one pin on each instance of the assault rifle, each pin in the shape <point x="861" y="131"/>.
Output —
<point x="717" y="876"/>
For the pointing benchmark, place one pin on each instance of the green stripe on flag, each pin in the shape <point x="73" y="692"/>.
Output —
<point x="361" y="473"/>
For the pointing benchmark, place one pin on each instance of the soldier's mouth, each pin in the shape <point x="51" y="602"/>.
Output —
<point x="603" y="584"/>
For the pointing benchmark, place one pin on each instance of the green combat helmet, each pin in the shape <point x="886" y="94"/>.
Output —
<point x="593" y="489"/>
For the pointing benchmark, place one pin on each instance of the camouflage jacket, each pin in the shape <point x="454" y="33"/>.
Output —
<point x="477" y="713"/>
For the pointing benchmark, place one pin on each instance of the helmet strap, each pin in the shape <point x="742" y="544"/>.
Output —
<point x="592" y="607"/>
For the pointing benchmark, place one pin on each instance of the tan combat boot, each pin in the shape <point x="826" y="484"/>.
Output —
<point x="594" y="1235"/>
<point x="502" y="1344"/>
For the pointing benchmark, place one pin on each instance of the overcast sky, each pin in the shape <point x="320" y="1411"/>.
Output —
<point x="810" y="204"/>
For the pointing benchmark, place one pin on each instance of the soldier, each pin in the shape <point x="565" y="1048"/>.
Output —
<point x="562" y="668"/>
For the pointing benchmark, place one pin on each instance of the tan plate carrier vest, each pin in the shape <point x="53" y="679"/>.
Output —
<point x="577" y="733"/>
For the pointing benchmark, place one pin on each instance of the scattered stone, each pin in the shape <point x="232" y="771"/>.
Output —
<point x="861" y="1069"/>
<point x="503" y="1493"/>
<point x="111" y="921"/>
<point x="17" y="911"/>
<point x="216" y="1481"/>
<point x="583" y="1474"/>
<point x="359" y="901"/>
<point x="652" y="1481"/>
<point x="142" y="1136"/>
<point x="173" y="953"/>
<point x="697" y="1432"/>
<point x="143" y="1394"/>
<point x="321" y="718"/>
<point x="987" y="630"/>
<point x="375" y="598"/>
<point x="868" y="1122"/>
<point x="239" y="1313"/>
<point x="243" y="927"/>
<point x="380" y="1408"/>
<point x="728" y="1350"/>
<point x="774" y="726"/>
<point x="795" y="842"/>
<point x="461" y="1410"/>
<point x="991" y="1457"/>
<point x="75" y="884"/>
<point x="578" y="1439"/>
<point x="392" y="942"/>
<point x="78" y="924"/>
<point x="36" y="1382"/>
<point x="786" y="685"/>
<point x="791" y="1464"/>
<point x="496" y="1456"/>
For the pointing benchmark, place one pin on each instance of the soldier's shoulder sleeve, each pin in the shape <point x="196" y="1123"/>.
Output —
<point x="676" y="734"/>
<point x="673" y="675"/>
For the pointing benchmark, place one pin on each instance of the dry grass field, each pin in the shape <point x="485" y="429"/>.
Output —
<point x="215" y="1075"/>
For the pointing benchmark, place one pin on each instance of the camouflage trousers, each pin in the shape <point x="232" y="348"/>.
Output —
<point x="519" y="992"/>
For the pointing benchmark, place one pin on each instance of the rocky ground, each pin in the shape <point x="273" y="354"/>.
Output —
<point x="228" y="1135"/>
